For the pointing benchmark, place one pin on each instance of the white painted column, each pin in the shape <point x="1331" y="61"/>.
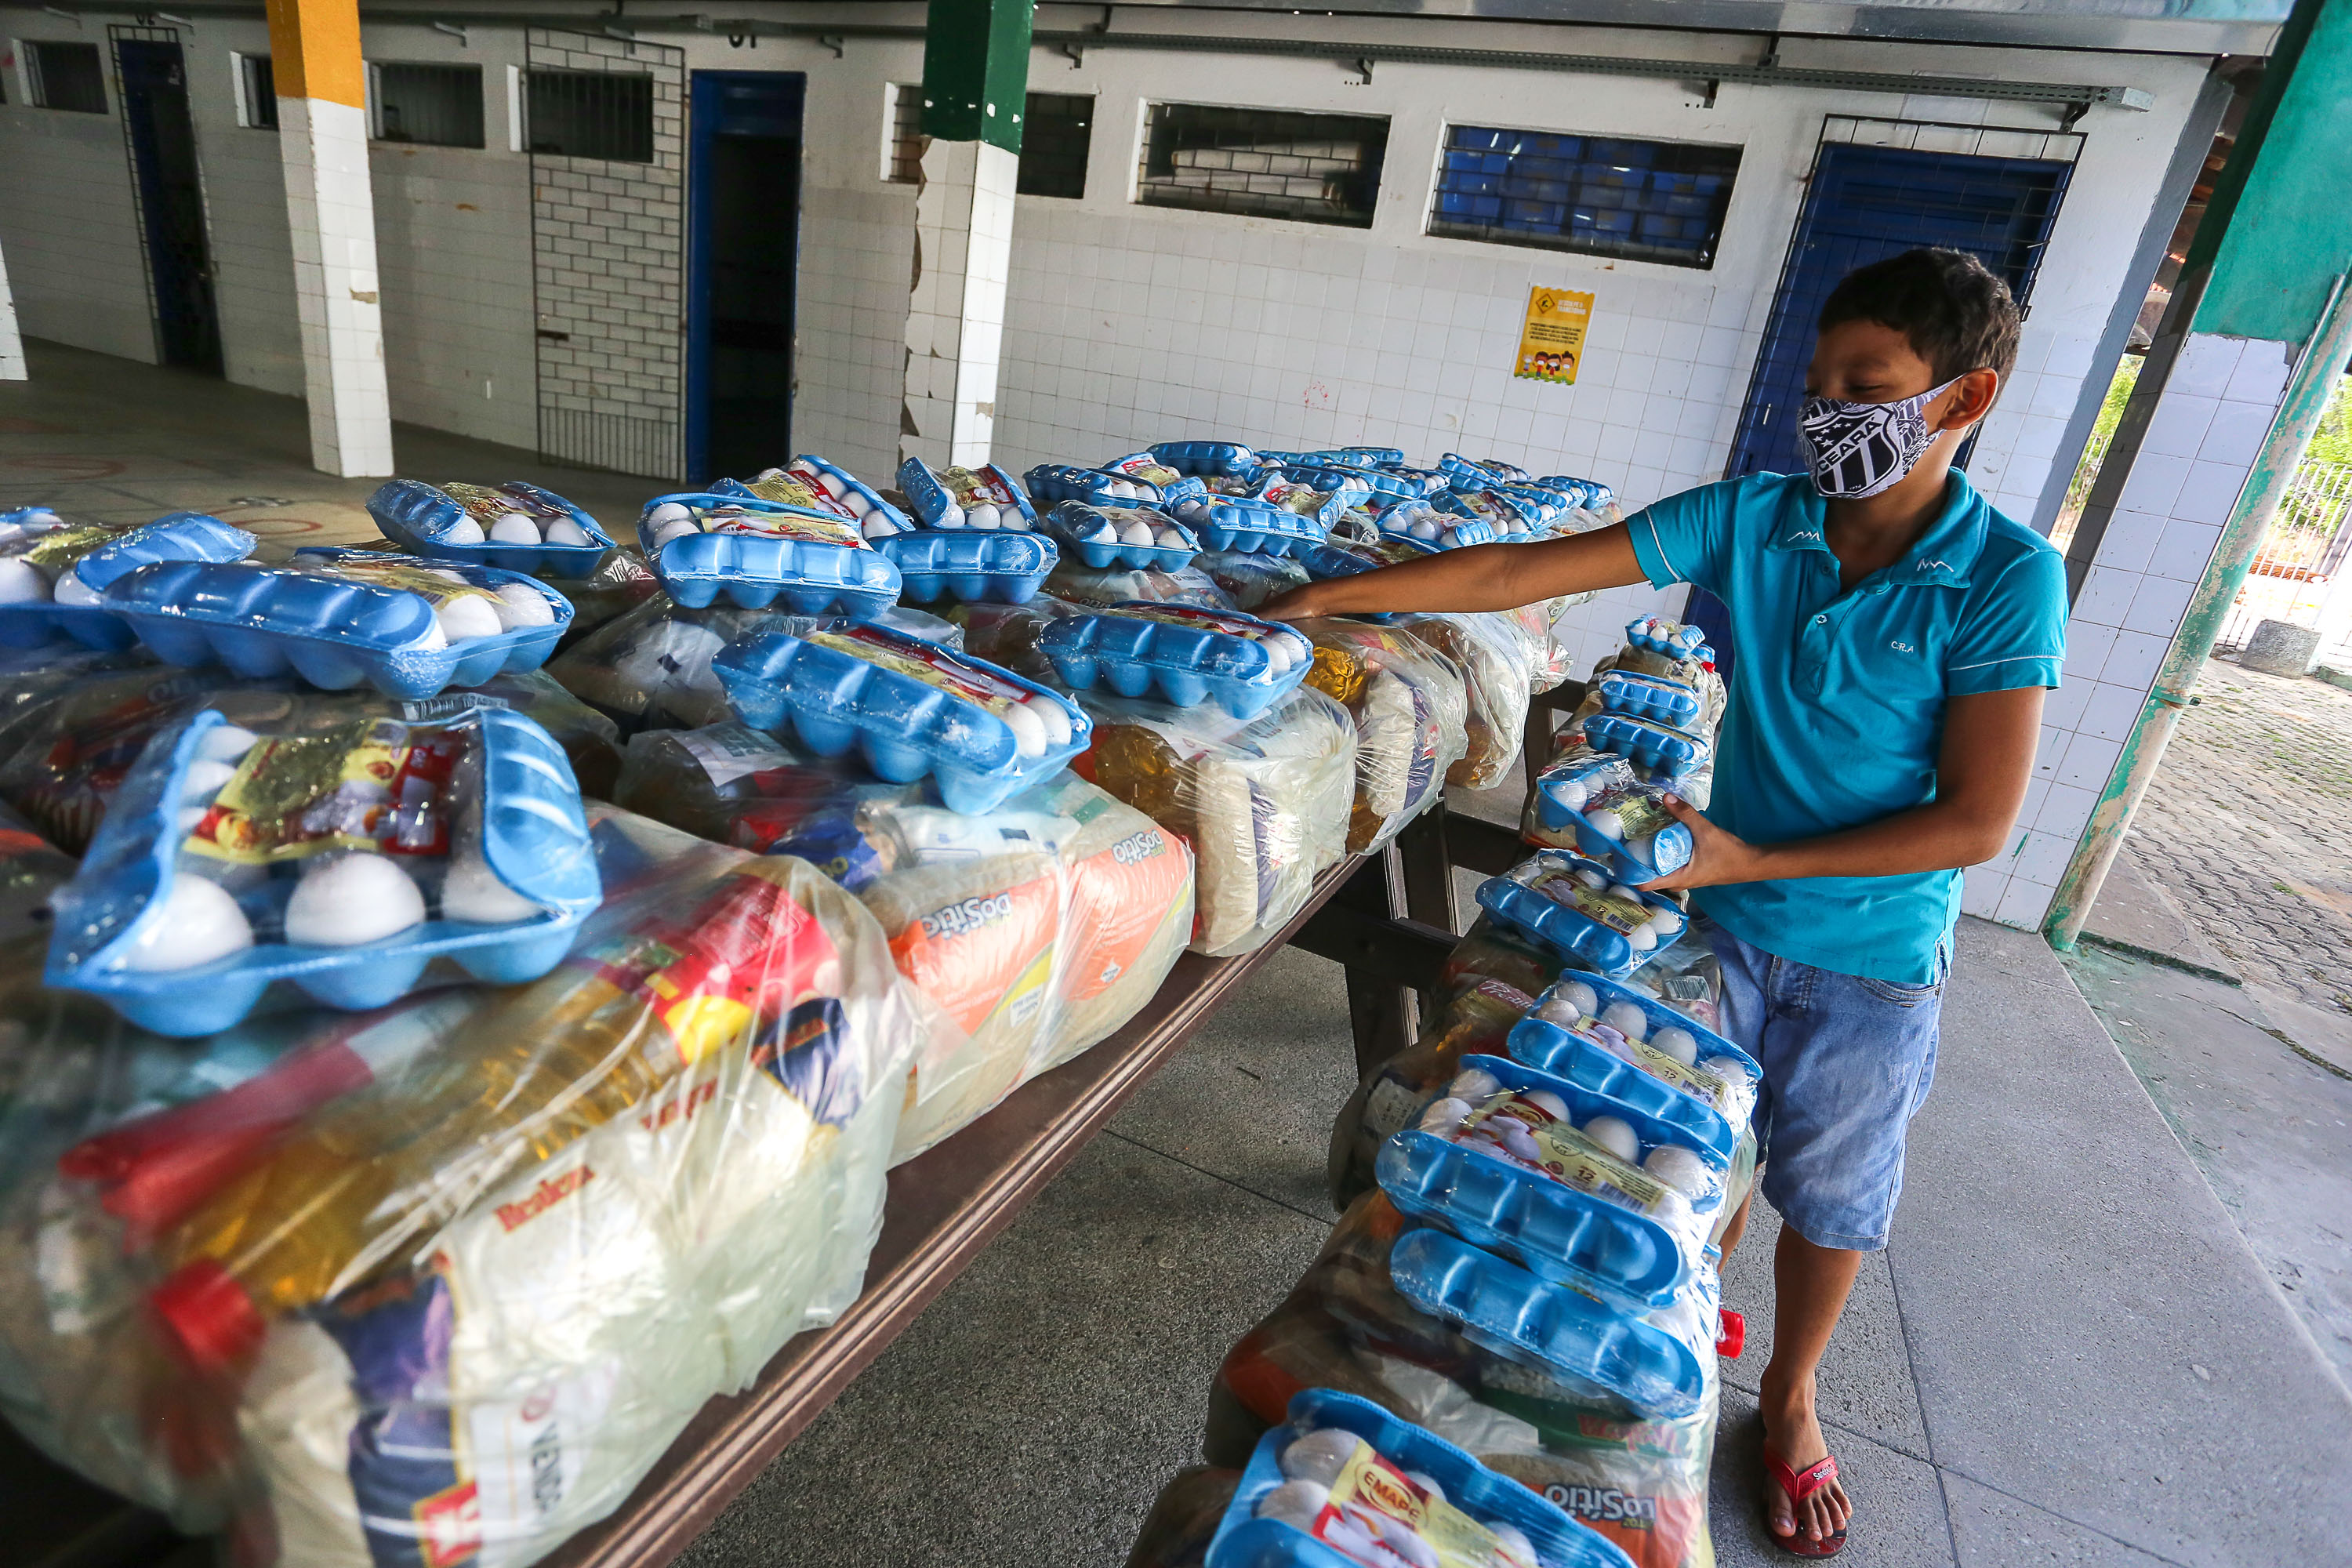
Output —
<point x="955" y="317"/>
<point x="12" y="344"/>
<point x="331" y="212"/>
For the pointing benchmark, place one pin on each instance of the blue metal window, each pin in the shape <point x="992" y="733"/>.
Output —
<point x="1645" y="201"/>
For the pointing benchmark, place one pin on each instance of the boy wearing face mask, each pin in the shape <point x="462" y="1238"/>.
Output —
<point x="1892" y="638"/>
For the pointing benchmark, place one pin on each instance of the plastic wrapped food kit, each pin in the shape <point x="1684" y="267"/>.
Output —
<point x="1152" y="479"/>
<point x="52" y="574"/>
<point x="31" y="870"/>
<point x="1184" y="653"/>
<point x="1106" y="534"/>
<point x="1477" y="1021"/>
<point x="1262" y="802"/>
<point x="1611" y="815"/>
<point x="912" y="709"/>
<point x="1062" y="483"/>
<point x="623" y="583"/>
<point x="809" y="480"/>
<point x="1249" y="522"/>
<point x="1250" y="580"/>
<point x="1635" y="1049"/>
<point x="1668" y="639"/>
<point x="1666" y="752"/>
<point x="1576" y="908"/>
<point x="972" y="566"/>
<point x="1412" y="715"/>
<point x="1343" y="1481"/>
<point x="513" y="526"/>
<point x="1419" y="520"/>
<point x="1493" y="654"/>
<point x="1648" y="697"/>
<point x="1184" y="1517"/>
<point x="754" y="552"/>
<point x="1205" y="457"/>
<point x="341" y="849"/>
<point x="982" y="498"/>
<point x="340" y="618"/>
<point x="1082" y="585"/>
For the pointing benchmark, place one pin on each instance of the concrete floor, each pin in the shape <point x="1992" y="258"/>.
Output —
<point x="2069" y="1355"/>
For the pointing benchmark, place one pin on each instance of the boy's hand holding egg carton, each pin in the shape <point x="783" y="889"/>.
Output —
<point x="706" y="544"/>
<point x="984" y="498"/>
<point x="53" y="574"/>
<point x="338" y="618"/>
<point x="1344" y="1484"/>
<point x="1106" y="535"/>
<point x="333" y="845"/>
<point x="1575" y="908"/>
<point x="1614" y="817"/>
<point x="514" y="526"/>
<point x="1187" y="655"/>
<point x="810" y="481"/>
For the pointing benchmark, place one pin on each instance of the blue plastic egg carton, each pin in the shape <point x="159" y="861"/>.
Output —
<point x="534" y="838"/>
<point x="1665" y="750"/>
<point x="755" y="571"/>
<point x="1567" y="931"/>
<point x="1347" y="485"/>
<point x="973" y="566"/>
<point x="936" y="507"/>
<point x="1079" y="526"/>
<point x="1051" y="483"/>
<point x="1512" y="1312"/>
<point x="904" y="728"/>
<point x="1652" y="1130"/>
<point x="334" y="633"/>
<point x="1187" y="655"/>
<point x="417" y="517"/>
<point x="1425" y="483"/>
<point x="1669" y="640"/>
<point x="1144" y="468"/>
<point x="1559" y="1233"/>
<point x="1591" y="493"/>
<point x="1658" y="696"/>
<point x="898" y="521"/>
<point x="175" y="536"/>
<point x="1445" y="530"/>
<point x="1245" y="1540"/>
<point x="1228" y="458"/>
<point x="1247" y="524"/>
<point x="1589" y="780"/>
<point x="1585" y="1062"/>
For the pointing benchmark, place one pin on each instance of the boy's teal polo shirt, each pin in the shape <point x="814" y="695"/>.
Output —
<point x="1837" y="700"/>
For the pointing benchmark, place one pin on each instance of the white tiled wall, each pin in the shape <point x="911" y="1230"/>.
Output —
<point x="857" y="253"/>
<point x="331" y="219"/>
<point x="12" y="344"/>
<point x="955" y="314"/>
<point x="2191" y="462"/>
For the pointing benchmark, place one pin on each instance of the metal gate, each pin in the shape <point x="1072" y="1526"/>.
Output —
<point x="2300" y="572"/>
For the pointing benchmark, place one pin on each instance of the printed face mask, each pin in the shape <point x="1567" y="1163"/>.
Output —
<point x="1857" y="449"/>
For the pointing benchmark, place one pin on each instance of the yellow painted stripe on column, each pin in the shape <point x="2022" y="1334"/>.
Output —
<point x="314" y="50"/>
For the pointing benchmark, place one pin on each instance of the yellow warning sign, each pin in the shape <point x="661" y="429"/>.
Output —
<point x="1552" y="341"/>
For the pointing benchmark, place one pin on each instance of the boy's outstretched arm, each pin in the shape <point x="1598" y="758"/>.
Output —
<point x="1981" y="773"/>
<point x="1481" y="578"/>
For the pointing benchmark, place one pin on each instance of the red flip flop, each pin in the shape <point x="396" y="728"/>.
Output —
<point x="1799" y="1485"/>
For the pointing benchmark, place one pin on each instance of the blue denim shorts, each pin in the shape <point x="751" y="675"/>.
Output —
<point x="1847" y="1062"/>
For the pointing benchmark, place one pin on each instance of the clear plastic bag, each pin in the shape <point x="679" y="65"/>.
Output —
<point x="1639" y="1481"/>
<point x="1183" y="1518"/>
<point x="1082" y="585"/>
<point x="1475" y="1021"/>
<point x="1262" y="803"/>
<point x="1411" y="712"/>
<point x="1249" y="578"/>
<point x="1497" y="661"/>
<point x="459" y="1294"/>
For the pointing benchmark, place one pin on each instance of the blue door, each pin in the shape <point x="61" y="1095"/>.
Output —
<point x="742" y="249"/>
<point x="171" y="200"/>
<point x="1866" y="204"/>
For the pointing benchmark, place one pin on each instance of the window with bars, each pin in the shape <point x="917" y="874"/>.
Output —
<point x="65" y="76"/>
<point x="1054" y="131"/>
<point x="902" y="138"/>
<point x="256" y="93"/>
<point x="428" y="105"/>
<point x="591" y="114"/>
<point x="1643" y="201"/>
<point x="1315" y="168"/>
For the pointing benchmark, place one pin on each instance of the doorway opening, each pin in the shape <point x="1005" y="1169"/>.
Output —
<point x="171" y="202"/>
<point x="742" y="259"/>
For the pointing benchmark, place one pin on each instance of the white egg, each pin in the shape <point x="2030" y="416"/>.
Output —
<point x="1667" y="922"/>
<point x="1730" y="1069"/>
<point x="430" y="638"/>
<point x="226" y="743"/>
<point x="469" y="615"/>
<point x="1627" y="1019"/>
<point x="669" y="511"/>
<point x="1427" y="1483"/>
<point x="1028" y="730"/>
<point x="464" y="531"/>
<point x="473" y="893"/>
<point x="950" y="516"/>
<point x="1319" y="1456"/>
<point x="1591" y="876"/>
<point x="764" y="475"/>
<point x="1474" y="1084"/>
<point x="1055" y="718"/>
<point x="855" y="503"/>
<point x="1445" y="1115"/>
<point x="1548" y="1102"/>
<point x="983" y="516"/>
<point x="1513" y="1540"/>
<point x="1136" y="533"/>
<point x="1605" y="821"/>
<point x="1616" y="1135"/>
<point x="21" y="582"/>
<point x="204" y="778"/>
<point x="1627" y="891"/>
<point x="1422" y="530"/>
<point x="1105" y="531"/>
<point x="1559" y="1010"/>
<point x="563" y="530"/>
<point x="1571" y="793"/>
<point x="1641" y="940"/>
<point x="877" y="526"/>
<point x="1297" y="1503"/>
<point x="192" y="817"/>
<point x="1169" y="538"/>
<point x="1278" y="657"/>
<point x="1190" y="506"/>
<point x="1587" y="1000"/>
<point x="514" y="529"/>
<point x="832" y="484"/>
<point x="678" y="530"/>
<point x="522" y="605"/>
<point x="1122" y="489"/>
<point x="199" y="923"/>
<point x="1348" y="1540"/>
<point x="1679" y="1169"/>
<point x="72" y="590"/>
<point x="448" y="575"/>
<point x="1515" y="1138"/>
<point x="1406" y="1542"/>
<point x="1678" y="1043"/>
<point x="352" y="899"/>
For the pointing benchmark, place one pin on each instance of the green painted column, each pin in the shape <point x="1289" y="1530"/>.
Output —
<point x="976" y="71"/>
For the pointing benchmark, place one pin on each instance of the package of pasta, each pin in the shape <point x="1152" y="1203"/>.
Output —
<point x="1497" y="661"/>
<point x="1262" y="803"/>
<point x="1610" y="1417"/>
<point x="1183" y="1518"/>
<point x="650" y="669"/>
<point x="450" y="1288"/>
<point x="1411" y="712"/>
<point x="1478" y="1020"/>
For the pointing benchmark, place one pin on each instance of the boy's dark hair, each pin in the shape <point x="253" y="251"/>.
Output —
<point x="1959" y="316"/>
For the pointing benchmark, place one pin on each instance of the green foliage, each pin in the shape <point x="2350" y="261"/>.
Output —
<point x="2333" y="444"/>
<point x="2120" y="391"/>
